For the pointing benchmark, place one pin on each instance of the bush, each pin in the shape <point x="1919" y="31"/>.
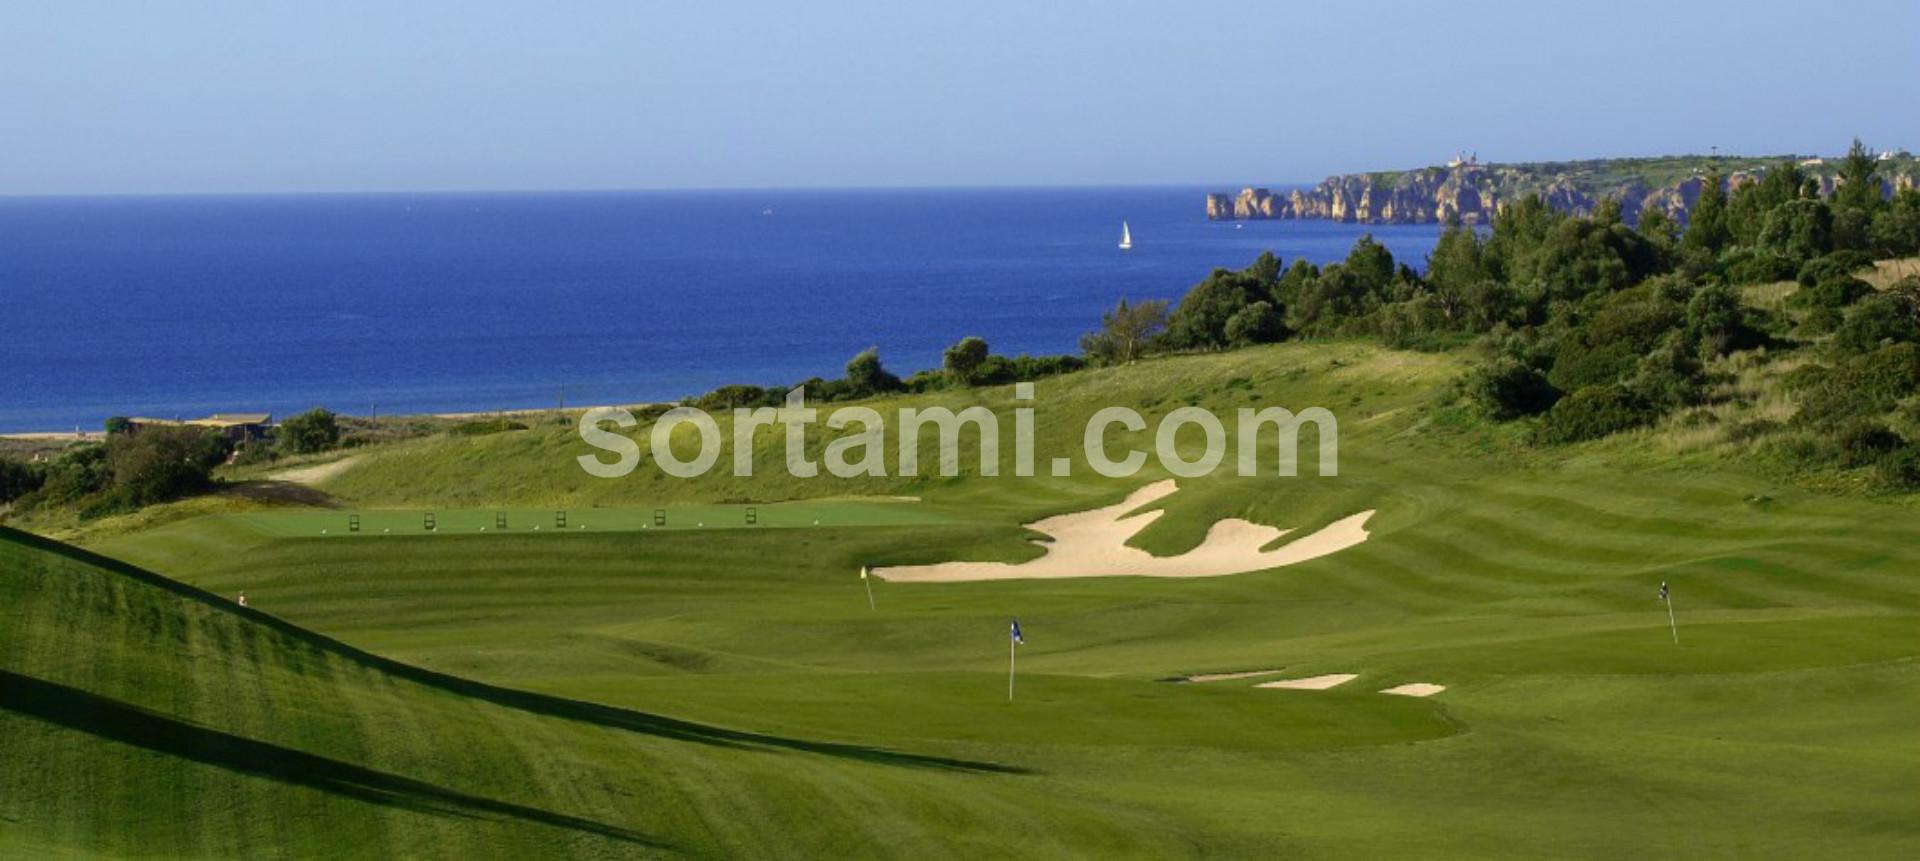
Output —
<point x="963" y="360"/>
<point x="315" y="430"/>
<point x="1258" y="323"/>
<point x="18" y="478"/>
<point x="1875" y="322"/>
<point x="485" y="427"/>
<point x="1900" y="470"/>
<point x="157" y="464"/>
<point x="1752" y="266"/>
<point x="1863" y="385"/>
<point x="865" y="376"/>
<point x="736" y="396"/>
<point x="1860" y="442"/>
<point x="1835" y="265"/>
<point x="1831" y="291"/>
<point x="1594" y="412"/>
<point x="1507" y="389"/>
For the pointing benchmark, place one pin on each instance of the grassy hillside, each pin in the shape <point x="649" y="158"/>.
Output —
<point x="1523" y="579"/>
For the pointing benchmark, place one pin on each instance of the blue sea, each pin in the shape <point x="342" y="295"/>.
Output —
<point x="390" y="303"/>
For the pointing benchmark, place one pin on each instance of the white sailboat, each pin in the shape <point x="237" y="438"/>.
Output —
<point x="1126" y="237"/>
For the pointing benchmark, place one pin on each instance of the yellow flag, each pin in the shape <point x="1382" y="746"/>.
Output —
<point x="863" y="572"/>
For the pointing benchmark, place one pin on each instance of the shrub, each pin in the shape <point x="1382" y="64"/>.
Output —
<point x="1718" y="322"/>
<point x="865" y="376"/>
<point x="1837" y="264"/>
<point x="1860" y="442"/>
<point x="1863" y="385"/>
<point x="18" y="478"/>
<point x="1507" y="389"/>
<point x="1758" y="267"/>
<point x="484" y="427"/>
<point x="157" y="464"/>
<point x="1258" y="323"/>
<point x="735" y="396"/>
<point x="1874" y="322"/>
<point x="1900" y="470"/>
<point x="1831" y="291"/>
<point x="1594" y="412"/>
<point x="1748" y="431"/>
<point x="963" y="360"/>
<point x="315" y="430"/>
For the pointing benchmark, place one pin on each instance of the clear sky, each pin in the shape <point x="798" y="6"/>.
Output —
<point x="337" y="96"/>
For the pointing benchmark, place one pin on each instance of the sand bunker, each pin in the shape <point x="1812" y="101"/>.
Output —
<point x="1312" y="683"/>
<point x="1094" y="544"/>
<point x="1415" y="689"/>
<point x="1228" y="677"/>
<point x="316" y="474"/>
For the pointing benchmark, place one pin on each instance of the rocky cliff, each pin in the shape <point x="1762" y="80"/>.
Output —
<point x="1473" y="192"/>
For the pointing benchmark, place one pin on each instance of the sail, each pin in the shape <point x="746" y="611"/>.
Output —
<point x="1126" y="236"/>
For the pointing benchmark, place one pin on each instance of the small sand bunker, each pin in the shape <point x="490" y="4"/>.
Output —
<point x="1415" y="689"/>
<point x="1312" y="683"/>
<point x="1094" y="544"/>
<point x="1228" y="677"/>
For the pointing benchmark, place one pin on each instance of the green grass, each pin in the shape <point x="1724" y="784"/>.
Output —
<point x="726" y="690"/>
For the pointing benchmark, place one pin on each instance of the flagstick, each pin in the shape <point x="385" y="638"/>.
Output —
<point x="1670" y="623"/>
<point x="869" y="584"/>
<point x="1011" y="645"/>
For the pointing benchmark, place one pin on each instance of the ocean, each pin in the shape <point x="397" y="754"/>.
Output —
<point x="391" y="303"/>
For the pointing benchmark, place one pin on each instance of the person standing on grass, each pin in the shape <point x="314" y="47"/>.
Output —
<point x="242" y="599"/>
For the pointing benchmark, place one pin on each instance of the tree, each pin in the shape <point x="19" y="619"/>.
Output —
<point x="1896" y="227"/>
<point x="1258" y="323"/>
<point x="1125" y="332"/>
<point x="162" y="463"/>
<point x="1748" y="209"/>
<point x="1200" y="320"/>
<point x="118" y="425"/>
<point x="1801" y="229"/>
<point x="1265" y="270"/>
<point x="1658" y="228"/>
<point x="865" y="376"/>
<point x="1707" y="223"/>
<point x="962" y="361"/>
<point x="315" y="430"/>
<point x="1371" y="263"/>
<point x="1857" y="198"/>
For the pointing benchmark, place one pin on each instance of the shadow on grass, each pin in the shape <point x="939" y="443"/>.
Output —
<point x="117" y="721"/>
<point x="528" y="701"/>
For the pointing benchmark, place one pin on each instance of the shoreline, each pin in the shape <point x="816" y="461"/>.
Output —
<point x="463" y="415"/>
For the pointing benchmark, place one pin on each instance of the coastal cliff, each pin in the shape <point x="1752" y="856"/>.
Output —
<point x="1472" y="192"/>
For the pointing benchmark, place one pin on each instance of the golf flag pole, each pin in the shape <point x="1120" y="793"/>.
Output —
<point x="1013" y="643"/>
<point x="1667" y="597"/>
<point x="865" y="582"/>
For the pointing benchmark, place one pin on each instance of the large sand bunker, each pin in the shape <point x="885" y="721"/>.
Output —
<point x="1094" y="544"/>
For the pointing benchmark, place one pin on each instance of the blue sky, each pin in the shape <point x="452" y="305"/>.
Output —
<point x="340" y="96"/>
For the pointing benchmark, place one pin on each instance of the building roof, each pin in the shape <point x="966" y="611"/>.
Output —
<point x="227" y="420"/>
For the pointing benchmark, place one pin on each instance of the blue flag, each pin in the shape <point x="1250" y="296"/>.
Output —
<point x="1015" y="633"/>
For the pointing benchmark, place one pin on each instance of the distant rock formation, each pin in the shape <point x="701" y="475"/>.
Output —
<point x="1471" y="192"/>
